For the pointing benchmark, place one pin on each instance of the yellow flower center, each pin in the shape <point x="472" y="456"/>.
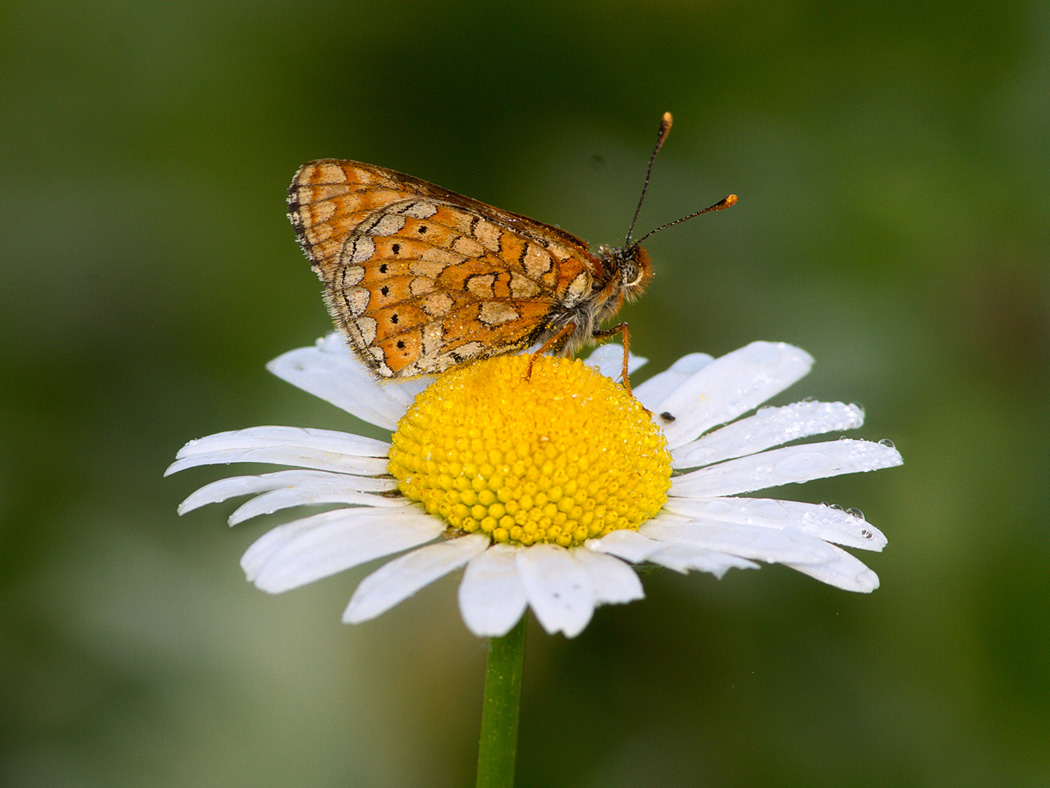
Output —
<point x="563" y="456"/>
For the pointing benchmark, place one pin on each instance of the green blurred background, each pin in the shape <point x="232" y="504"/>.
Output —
<point x="892" y="162"/>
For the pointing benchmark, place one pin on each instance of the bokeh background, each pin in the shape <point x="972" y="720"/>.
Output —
<point x="892" y="161"/>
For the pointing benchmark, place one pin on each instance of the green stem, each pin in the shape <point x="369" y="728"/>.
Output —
<point x="499" y="714"/>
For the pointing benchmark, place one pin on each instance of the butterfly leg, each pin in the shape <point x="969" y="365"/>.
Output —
<point x="553" y="342"/>
<point x="603" y="333"/>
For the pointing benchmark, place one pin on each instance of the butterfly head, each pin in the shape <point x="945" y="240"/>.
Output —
<point x="636" y="269"/>
<point x="628" y="268"/>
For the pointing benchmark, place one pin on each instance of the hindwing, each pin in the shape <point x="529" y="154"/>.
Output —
<point x="420" y="279"/>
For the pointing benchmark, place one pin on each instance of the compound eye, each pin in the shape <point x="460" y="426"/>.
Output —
<point x="630" y="274"/>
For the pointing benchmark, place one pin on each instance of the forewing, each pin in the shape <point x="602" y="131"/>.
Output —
<point x="420" y="278"/>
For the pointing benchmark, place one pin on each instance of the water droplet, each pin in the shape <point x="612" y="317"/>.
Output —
<point x="800" y="465"/>
<point x="867" y="534"/>
<point x="764" y="508"/>
<point x="855" y="512"/>
<point x="887" y="443"/>
<point x="834" y="506"/>
<point x="717" y="507"/>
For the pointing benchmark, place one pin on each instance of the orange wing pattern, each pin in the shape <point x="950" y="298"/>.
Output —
<point x="420" y="279"/>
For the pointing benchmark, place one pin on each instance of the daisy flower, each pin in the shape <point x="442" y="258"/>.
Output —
<point x="546" y="489"/>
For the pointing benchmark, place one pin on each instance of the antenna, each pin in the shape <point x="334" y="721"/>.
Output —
<point x="661" y="135"/>
<point x="725" y="202"/>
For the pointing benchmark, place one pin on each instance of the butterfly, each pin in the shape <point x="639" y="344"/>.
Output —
<point x="420" y="279"/>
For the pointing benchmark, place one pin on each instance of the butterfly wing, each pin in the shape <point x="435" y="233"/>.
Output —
<point x="419" y="278"/>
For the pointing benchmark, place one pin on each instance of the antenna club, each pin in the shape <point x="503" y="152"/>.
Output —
<point x="665" y="129"/>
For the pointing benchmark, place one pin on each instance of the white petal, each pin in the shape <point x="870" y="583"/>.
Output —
<point x="626" y="544"/>
<point x="614" y="582"/>
<point x="235" y="486"/>
<point x="558" y="589"/>
<point x="784" y="466"/>
<point x="398" y="580"/>
<point x="306" y="550"/>
<point x="818" y="520"/>
<point x="767" y="428"/>
<point x="729" y="386"/>
<point x="692" y="546"/>
<point x="274" y="501"/>
<point x="685" y="558"/>
<point x="332" y="372"/>
<point x="491" y="596"/>
<point x="608" y="360"/>
<point x="746" y="541"/>
<point x="844" y="571"/>
<point x="659" y="386"/>
<point x="638" y="548"/>
<point x="306" y="448"/>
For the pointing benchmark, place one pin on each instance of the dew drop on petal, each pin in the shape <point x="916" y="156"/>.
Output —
<point x="764" y="509"/>
<point x="801" y="465"/>
<point x="887" y="443"/>
<point x="717" y="508"/>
